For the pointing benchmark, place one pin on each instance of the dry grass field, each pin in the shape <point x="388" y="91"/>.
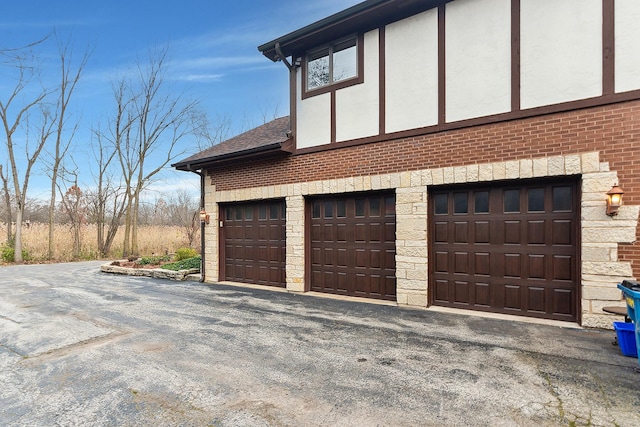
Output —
<point x="152" y="240"/>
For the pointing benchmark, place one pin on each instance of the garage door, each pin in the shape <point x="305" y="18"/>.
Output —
<point x="352" y="245"/>
<point x="253" y="243"/>
<point x="507" y="249"/>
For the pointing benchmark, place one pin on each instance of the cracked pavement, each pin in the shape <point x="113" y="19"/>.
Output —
<point x="80" y="347"/>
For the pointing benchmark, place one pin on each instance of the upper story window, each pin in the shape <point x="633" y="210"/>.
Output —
<point x="333" y="63"/>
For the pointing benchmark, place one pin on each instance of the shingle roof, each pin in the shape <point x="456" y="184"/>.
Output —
<point x="269" y="136"/>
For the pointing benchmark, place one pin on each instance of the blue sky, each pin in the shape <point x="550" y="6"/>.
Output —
<point x="212" y="46"/>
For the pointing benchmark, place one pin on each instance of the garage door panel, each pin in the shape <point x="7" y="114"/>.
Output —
<point x="360" y="283"/>
<point x="316" y="256"/>
<point x="328" y="232"/>
<point x="482" y="232"/>
<point x="512" y="234"/>
<point x="441" y="262"/>
<point x="482" y="294"/>
<point x="316" y="232"/>
<point x="254" y="242"/>
<point x="441" y="291"/>
<point x="461" y="232"/>
<point x="329" y="257"/>
<point x="461" y="292"/>
<point x="515" y="246"/>
<point x="263" y="232"/>
<point x="389" y="231"/>
<point x="342" y="282"/>
<point x="563" y="302"/>
<point x="562" y="232"/>
<point x="536" y="232"/>
<point x="341" y="259"/>
<point x="375" y="258"/>
<point x="275" y="232"/>
<point x="536" y="299"/>
<point x="482" y="263"/>
<point x="356" y="233"/>
<point x="537" y="268"/>
<point x="512" y="297"/>
<point x="375" y="285"/>
<point x="562" y="267"/>
<point x="264" y="272"/>
<point x="512" y="265"/>
<point x="441" y="232"/>
<point x="461" y="262"/>
<point x="390" y="260"/>
<point x="274" y="274"/>
<point x="375" y="232"/>
<point x="389" y="285"/>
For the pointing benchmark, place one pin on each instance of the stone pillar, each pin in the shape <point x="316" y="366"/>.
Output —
<point x="411" y="246"/>
<point x="211" y="234"/>
<point x="295" y="243"/>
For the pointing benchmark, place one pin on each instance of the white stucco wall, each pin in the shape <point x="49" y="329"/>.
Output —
<point x="561" y="51"/>
<point x="478" y="58"/>
<point x="627" y="27"/>
<point x="313" y="118"/>
<point x="411" y="71"/>
<point x="357" y="111"/>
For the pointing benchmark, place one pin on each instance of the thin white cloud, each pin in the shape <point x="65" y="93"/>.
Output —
<point x="199" y="77"/>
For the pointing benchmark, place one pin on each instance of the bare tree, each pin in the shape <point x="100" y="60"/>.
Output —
<point x="109" y="201"/>
<point x="184" y="209"/>
<point x="161" y="120"/>
<point x="28" y="97"/>
<point x="7" y="201"/>
<point x="72" y="201"/>
<point x="209" y="133"/>
<point x="69" y="79"/>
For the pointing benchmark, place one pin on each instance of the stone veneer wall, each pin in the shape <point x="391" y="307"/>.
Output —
<point x="600" y="234"/>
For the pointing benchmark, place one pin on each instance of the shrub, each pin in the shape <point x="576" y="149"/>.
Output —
<point x="9" y="254"/>
<point x="185" y="264"/>
<point x="185" y="253"/>
<point x="152" y="260"/>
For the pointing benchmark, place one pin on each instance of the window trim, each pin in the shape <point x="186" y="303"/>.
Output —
<point x="331" y="87"/>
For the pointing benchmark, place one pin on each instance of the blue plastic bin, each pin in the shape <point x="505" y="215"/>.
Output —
<point x="626" y="338"/>
<point x="631" y="291"/>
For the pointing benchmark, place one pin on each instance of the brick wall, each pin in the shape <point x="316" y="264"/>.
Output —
<point x="613" y="131"/>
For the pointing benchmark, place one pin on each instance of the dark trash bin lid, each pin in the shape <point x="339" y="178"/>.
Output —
<point x="631" y="284"/>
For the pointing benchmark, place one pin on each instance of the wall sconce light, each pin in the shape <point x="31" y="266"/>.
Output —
<point x="204" y="216"/>
<point x="614" y="200"/>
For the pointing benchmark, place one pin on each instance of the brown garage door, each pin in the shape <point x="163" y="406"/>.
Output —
<point x="352" y="245"/>
<point x="253" y="243"/>
<point x="507" y="249"/>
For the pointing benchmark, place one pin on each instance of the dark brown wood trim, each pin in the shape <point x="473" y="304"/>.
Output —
<point x="293" y="104"/>
<point x="334" y="116"/>
<point x="221" y="250"/>
<point x="578" y="240"/>
<point x="307" y="245"/>
<point x="442" y="80"/>
<point x="608" y="47"/>
<point x="382" y="58"/>
<point x="515" y="55"/>
<point x="331" y="88"/>
<point x="496" y="118"/>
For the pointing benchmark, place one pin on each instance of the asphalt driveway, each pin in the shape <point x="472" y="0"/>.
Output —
<point x="80" y="347"/>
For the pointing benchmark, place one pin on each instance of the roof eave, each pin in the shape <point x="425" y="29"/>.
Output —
<point x="197" y="164"/>
<point x="269" y="49"/>
<point x="361" y="17"/>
